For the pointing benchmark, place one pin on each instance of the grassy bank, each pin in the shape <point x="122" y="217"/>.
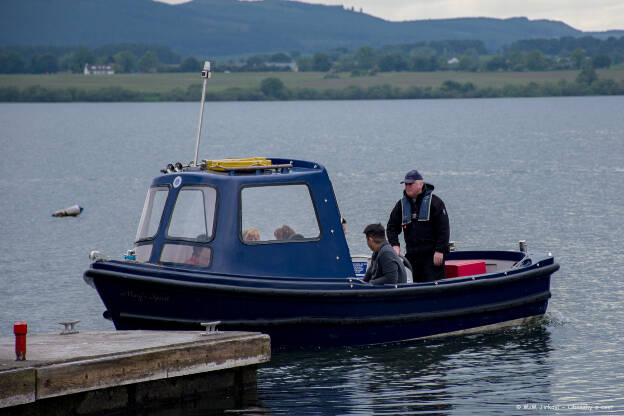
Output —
<point x="302" y="85"/>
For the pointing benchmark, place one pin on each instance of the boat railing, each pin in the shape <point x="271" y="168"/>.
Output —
<point x="523" y="262"/>
<point x="254" y="168"/>
<point x="204" y="166"/>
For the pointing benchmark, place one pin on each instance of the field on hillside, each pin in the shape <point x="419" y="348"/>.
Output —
<point x="160" y="83"/>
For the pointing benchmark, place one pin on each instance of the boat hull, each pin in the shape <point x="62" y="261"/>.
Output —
<point x="324" y="313"/>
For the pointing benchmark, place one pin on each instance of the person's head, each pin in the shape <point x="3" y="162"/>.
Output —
<point x="344" y="225"/>
<point x="283" y="233"/>
<point x="251" y="234"/>
<point x="413" y="183"/>
<point x="375" y="235"/>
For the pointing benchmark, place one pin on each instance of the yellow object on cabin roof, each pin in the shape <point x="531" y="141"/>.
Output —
<point x="222" y="164"/>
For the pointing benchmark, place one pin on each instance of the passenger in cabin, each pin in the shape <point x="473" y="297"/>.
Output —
<point x="386" y="266"/>
<point x="251" y="234"/>
<point x="200" y="257"/>
<point x="283" y="233"/>
<point x="422" y="218"/>
<point x="201" y="254"/>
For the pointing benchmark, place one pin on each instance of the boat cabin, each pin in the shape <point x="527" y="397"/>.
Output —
<point x="246" y="217"/>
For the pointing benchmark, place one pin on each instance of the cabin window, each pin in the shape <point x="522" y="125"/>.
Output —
<point x="193" y="215"/>
<point x="152" y="212"/>
<point x="278" y="213"/>
<point x="143" y="252"/>
<point x="186" y="254"/>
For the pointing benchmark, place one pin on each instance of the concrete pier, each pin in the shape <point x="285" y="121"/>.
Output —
<point x="95" y="371"/>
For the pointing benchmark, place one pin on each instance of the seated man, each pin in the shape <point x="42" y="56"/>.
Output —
<point x="386" y="266"/>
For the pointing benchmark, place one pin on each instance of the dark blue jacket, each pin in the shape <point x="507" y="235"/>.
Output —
<point x="421" y="236"/>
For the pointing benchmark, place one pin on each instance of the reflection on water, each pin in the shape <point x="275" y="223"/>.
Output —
<point x="453" y="375"/>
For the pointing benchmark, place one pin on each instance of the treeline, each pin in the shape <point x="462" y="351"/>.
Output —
<point x="422" y="56"/>
<point x="613" y="47"/>
<point x="455" y="55"/>
<point x="470" y="56"/>
<point x="123" y="57"/>
<point x="586" y="83"/>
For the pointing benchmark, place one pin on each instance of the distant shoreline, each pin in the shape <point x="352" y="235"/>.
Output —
<point x="274" y="86"/>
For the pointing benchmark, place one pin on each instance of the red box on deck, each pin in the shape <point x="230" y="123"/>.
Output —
<point x="459" y="268"/>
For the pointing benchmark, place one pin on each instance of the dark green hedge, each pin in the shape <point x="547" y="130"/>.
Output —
<point x="449" y="89"/>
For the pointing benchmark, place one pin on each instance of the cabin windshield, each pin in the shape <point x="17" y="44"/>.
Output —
<point x="278" y="213"/>
<point x="192" y="220"/>
<point x="152" y="212"/>
<point x="193" y="214"/>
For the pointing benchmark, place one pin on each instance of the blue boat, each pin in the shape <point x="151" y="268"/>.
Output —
<point x="257" y="244"/>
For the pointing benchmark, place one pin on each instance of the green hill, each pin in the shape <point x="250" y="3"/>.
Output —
<point x="230" y="27"/>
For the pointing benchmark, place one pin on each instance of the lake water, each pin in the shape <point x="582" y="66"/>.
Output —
<point x="547" y="170"/>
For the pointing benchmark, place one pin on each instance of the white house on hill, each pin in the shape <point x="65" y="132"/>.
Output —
<point x="290" y="65"/>
<point x="99" y="69"/>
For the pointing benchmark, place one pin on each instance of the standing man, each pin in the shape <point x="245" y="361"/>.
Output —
<point x="386" y="266"/>
<point x="422" y="217"/>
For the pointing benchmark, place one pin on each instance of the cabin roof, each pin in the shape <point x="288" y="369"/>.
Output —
<point x="322" y="255"/>
<point x="242" y="170"/>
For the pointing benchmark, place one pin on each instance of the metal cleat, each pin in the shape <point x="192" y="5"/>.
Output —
<point x="70" y="327"/>
<point x="211" y="327"/>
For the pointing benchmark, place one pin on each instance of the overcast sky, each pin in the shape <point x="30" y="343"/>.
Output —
<point x="586" y="15"/>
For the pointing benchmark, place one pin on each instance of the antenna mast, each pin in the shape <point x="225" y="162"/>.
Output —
<point x="205" y="75"/>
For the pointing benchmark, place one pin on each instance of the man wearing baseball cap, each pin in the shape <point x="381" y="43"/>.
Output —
<point x="422" y="218"/>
